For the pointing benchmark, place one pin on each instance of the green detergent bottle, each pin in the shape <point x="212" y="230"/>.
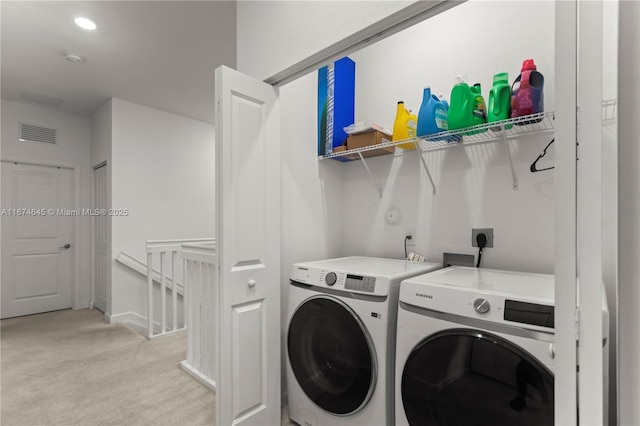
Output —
<point x="467" y="107"/>
<point x="459" y="105"/>
<point x="500" y="99"/>
<point x="479" y="108"/>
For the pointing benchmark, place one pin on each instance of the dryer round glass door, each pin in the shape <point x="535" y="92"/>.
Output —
<point x="470" y="377"/>
<point x="332" y="355"/>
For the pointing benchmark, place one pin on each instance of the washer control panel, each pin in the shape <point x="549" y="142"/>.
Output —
<point x="360" y="283"/>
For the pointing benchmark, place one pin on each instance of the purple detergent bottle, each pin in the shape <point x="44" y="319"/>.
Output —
<point x="527" y="92"/>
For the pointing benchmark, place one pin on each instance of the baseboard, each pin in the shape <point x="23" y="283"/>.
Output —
<point x="204" y="380"/>
<point x="83" y="305"/>
<point x="132" y="319"/>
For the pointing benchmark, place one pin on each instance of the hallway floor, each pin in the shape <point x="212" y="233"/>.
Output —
<point x="71" y="368"/>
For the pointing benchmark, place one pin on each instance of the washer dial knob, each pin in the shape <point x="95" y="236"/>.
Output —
<point x="330" y="278"/>
<point x="481" y="305"/>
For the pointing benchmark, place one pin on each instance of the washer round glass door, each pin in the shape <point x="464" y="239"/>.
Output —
<point x="470" y="377"/>
<point x="332" y="355"/>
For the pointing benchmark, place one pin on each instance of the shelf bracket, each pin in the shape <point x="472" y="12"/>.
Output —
<point x="373" y="180"/>
<point x="506" y="146"/>
<point x="424" y="164"/>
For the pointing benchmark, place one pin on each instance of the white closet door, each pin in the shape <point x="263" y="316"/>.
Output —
<point x="248" y="242"/>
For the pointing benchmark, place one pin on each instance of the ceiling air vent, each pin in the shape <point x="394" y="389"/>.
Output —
<point x="29" y="132"/>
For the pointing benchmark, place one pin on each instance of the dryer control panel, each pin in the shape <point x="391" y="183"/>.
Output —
<point x="360" y="283"/>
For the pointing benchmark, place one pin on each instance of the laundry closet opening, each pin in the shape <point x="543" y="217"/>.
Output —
<point x="331" y="209"/>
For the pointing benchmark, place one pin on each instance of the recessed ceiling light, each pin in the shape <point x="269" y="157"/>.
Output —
<point x="85" y="23"/>
<point x="74" y="58"/>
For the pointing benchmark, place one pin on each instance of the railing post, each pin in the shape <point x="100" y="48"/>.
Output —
<point x="215" y="342"/>
<point x="200" y="317"/>
<point x="211" y="347"/>
<point x="150" y="294"/>
<point x="187" y="304"/>
<point x="163" y="293"/>
<point x="174" y="293"/>
<point x="206" y="307"/>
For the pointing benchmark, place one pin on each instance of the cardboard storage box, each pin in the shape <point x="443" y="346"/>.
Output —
<point x="374" y="137"/>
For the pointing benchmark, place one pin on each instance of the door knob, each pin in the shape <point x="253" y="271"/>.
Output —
<point x="66" y="246"/>
<point x="251" y="283"/>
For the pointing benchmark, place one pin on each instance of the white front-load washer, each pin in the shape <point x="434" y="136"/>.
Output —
<point x="341" y="326"/>
<point x="476" y="347"/>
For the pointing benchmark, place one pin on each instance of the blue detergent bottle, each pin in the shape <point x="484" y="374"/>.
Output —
<point x="449" y="138"/>
<point x="445" y="104"/>
<point x="432" y="117"/>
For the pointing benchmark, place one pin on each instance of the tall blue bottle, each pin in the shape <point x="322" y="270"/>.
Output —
<point x="432" y="117"/>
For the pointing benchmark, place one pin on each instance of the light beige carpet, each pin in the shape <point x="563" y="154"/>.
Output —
<point x="71" y="368"/>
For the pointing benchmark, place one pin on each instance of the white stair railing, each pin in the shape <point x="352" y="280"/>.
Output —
<point x="200" y="262"/>
<point x="139" y="266"/>
<point x="170" y="272"/>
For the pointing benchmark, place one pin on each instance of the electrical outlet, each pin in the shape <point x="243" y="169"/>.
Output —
<point x="488" y="232"/>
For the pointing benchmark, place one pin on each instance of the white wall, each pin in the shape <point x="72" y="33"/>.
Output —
<point x="629" y="214"/>
<point x="273" y="35"/>
<point x="73" y="147"/>
<point x="311" y="190"/>
<point x="162" y="172"/>
<point x="473" y="184"/>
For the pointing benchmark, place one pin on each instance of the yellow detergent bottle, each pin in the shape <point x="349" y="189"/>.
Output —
<point x="404" y="126"/>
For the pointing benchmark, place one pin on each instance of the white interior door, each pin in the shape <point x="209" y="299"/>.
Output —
<point x="37" y="257"/>
<point x="100" y="239"/>
<point x="248" y="237"/>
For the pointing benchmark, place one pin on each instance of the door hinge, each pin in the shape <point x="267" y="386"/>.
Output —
<point x="577" y="324"/>
<point x="218" y="105"/>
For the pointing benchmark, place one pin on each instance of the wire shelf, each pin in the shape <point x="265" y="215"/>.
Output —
<point x="490" y="132"/>
<point x="483" y="133"/>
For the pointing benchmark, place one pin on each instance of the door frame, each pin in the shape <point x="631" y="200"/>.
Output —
<point x="75" y="168"/>
<point x="92" y="289"/>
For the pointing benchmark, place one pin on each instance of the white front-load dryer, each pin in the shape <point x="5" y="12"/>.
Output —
<point x="341" y="326"/>
<point x="476" y="347"/>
